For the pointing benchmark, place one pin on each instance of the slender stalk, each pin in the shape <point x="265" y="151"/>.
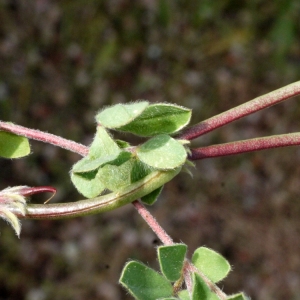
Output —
<point x="283" y="140"/>
<point x="153" y="224"/>
<point x="44" y="137"/>
<point x="99" y="204"/>
<point x="240" y="111"/>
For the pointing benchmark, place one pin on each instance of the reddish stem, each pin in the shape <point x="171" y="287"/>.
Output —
<point x="283" y="140"/>
<point x="153" y="224"/>
<point x="240" y="111"/>
<point x="44" y="137"/>
<point x="28" y="191"/>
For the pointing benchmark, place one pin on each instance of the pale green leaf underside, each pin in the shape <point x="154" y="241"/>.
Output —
<point x="144" y="283"/>
<point x="171" y="260"/>
<point x="13" y="146"/>
<point x="103" y="144"/>
<point x="211" y="263"/>
<point x="121" y="114"/>
<point x="87" y="164"/>
<point x="162" y="152"/>
<point x="115" y="177"/>
<point x="88" y="184"/>
<point x="159" y="118"/>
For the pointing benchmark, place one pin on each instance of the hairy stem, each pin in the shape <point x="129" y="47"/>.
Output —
<point x="153" y="224"/>
<point x="44" y="137"/>
<point x="240" y="111"/>
<point x="102" y="203"/>
<point x="283" y="140"/>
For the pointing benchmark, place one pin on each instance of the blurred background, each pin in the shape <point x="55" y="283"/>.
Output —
<point x="62" y="61"/>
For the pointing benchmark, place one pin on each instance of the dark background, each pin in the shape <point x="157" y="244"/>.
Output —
<point x="61" y="61"/>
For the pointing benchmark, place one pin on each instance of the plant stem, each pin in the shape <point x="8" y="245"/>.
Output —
<point x="101" y="203"/>
<point x="167" y="240"/>
<point x="240" y="111"/>
<point x="153" y="224"/>
<point x="44" y="137"/>
<point x="283" y="140"/>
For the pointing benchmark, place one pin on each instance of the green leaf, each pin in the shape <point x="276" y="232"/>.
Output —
<point x="159" y="118"/>
<point x="13" y="146"/>
<point x="115" y="177"/>
<point x="122" y="144"/>
<point x="103" y="145"/>
<point x="121" y="114"/>
<point x="88" y="164"/>
<point x="139" y="170"/>
<point x="162" y="152"/>
<point x="171" y="259"/>
<point x="88" y="184"/>
<point x="144" y="283"/>
<point x="201" y="291"/>
<point x="184" y="295"/>
<point x="211" y="263"/>
<point x="239" y="296"/>
<point x="151" y="198"/>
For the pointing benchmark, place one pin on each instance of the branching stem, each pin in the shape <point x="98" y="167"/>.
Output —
<point x="283" y="140"/>
<point x="44" y="137"/>
<point x="240" y="111"/>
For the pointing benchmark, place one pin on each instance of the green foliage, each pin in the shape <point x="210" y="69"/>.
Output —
<point x="152" y="197"/>
<point x="211" y="263"/>
<point x="162" y="152"/>
<point x="144" y="283"/>
<point x="120" y="115"/>
<point x="158" y="119"/>
<point x="171" y="259"/>
<point x="201" y="291"/>
<point x="13" y="146"/>
<point x="140" y="280"/>
<point x="112" y="165"/>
